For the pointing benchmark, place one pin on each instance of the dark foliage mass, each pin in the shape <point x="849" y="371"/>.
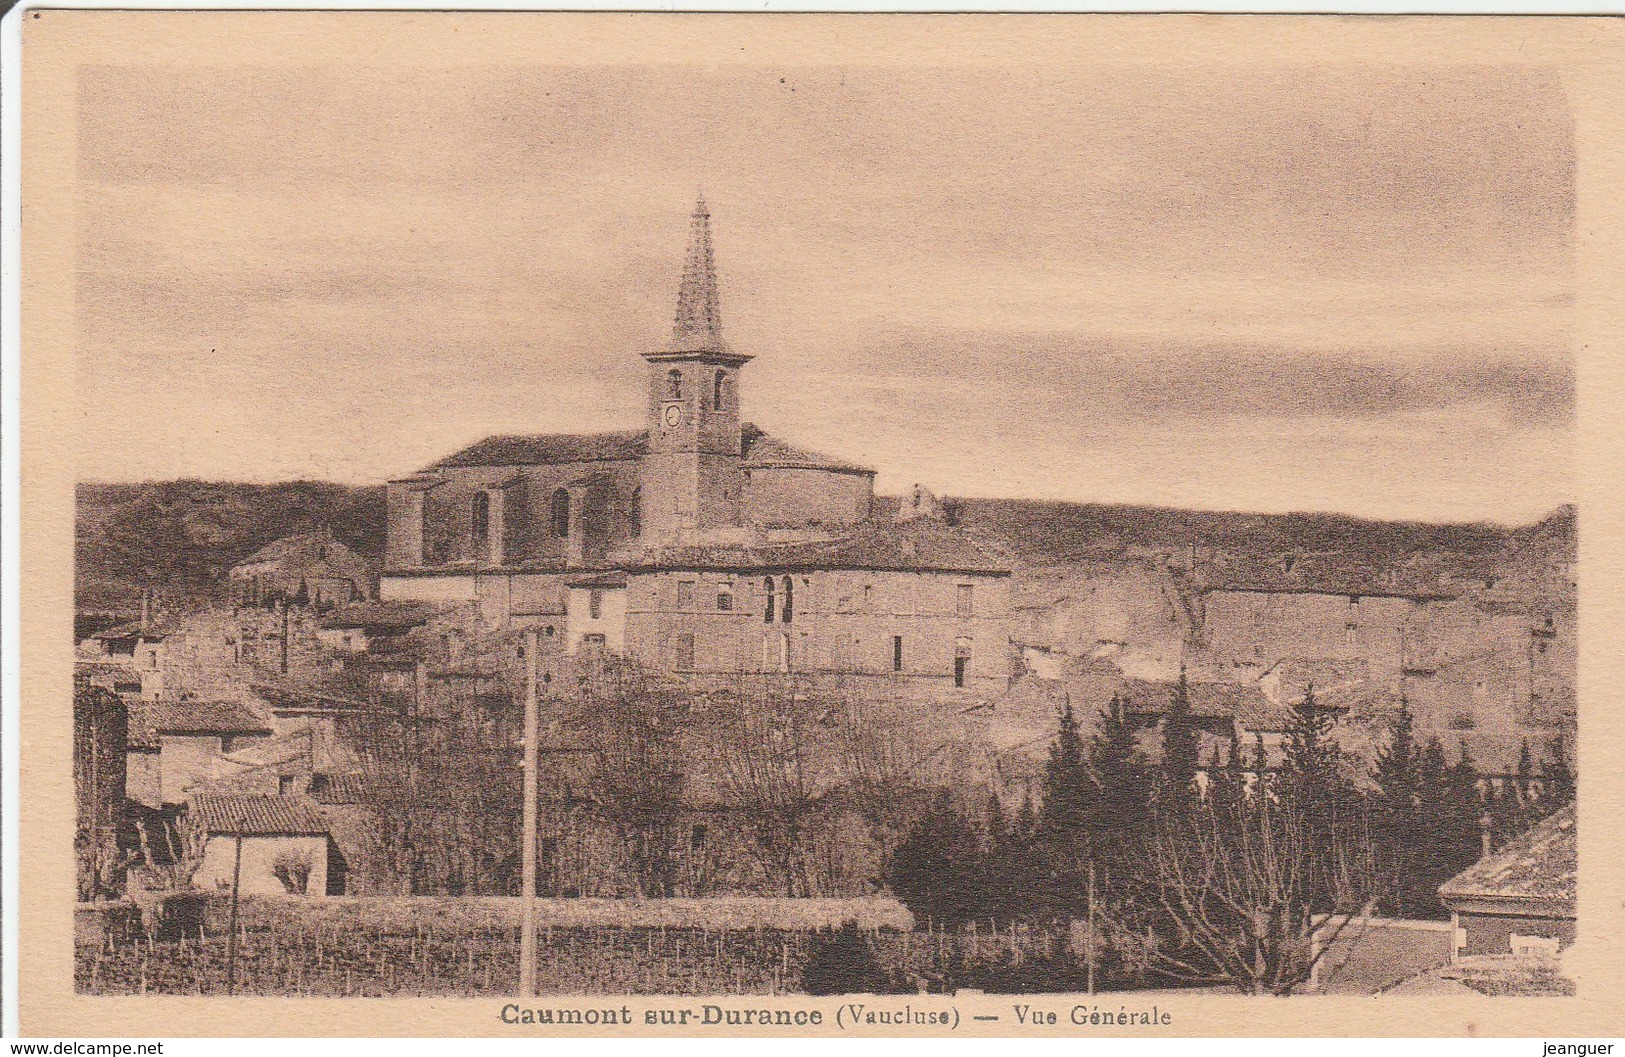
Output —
<point x="843" y="963"/>
<point x="181" y="537"/>
<point x="1225" y="874"/>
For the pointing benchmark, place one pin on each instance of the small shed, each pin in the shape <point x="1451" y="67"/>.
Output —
<point x="1519" y="900"/>
<point x="287" y="848"/>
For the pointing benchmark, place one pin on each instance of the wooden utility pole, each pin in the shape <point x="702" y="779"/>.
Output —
<point x="236" y="884"/>
<point x="285" y="627"/>
<point x="527" y="891"/>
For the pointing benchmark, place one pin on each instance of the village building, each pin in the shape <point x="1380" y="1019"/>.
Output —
<point x="286" y="845"/>
<point x="137" y="648"/>
<point x="311" y="569"/>
<point x="173" y="745"/>
<point x="370" y="626"/>
<point x="700" y="545"/>
<point x="1520" y="899"/>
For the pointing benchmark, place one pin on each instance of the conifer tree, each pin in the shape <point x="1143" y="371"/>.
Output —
<point x="1397" y="823"/>
<point x="1396" y="770"/>
<point x="1558" y="787"/>
<point x="1180" y="746"/>
<point x="1465" y="808"/>
<point x="1063" y="816"/>
<point x="997" y="883"/>
<point x="1526" y="779"/>
<point x="1120" y="819"/>
<point x="1227" y="786"/>
<point x="1064" y="838"/>
<point x="1506" y="813"/>
<point x="935" y="870"/>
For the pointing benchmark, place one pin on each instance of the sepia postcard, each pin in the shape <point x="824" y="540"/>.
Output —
<point x="562" y="524"/>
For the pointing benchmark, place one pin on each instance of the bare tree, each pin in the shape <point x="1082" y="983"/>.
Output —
<point x="766" y="755"/>
<point x="1238" y="887"/>
<point x="637" y="781"/>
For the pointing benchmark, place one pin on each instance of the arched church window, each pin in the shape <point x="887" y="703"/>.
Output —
<point x="634" y="512"/>
<point x="789" y="591"/>
<point x="674" y="384"/>
<point x="718" y="388"/>
<point x="767" y="588"/>
<point x="482" y="518"/>
<point x="560" y="514"/>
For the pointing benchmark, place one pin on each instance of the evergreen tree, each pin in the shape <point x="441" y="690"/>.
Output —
<point x="842" y="963"/>
<point x="1465" y="809"/>
<point x="1026" y="824"/>
<point x="1315" y="788"/>
<point x="1396" y="821"/>
<point x="1063" y="840"/>
<point x="1180" y="746"/>
<point x="1526" y="780"/>
<point x="997" y="893"/>
<point x="935" y="870"/>
<point x="1506" y="813"/>
<point x="1433" y="852"/>
<point x="1120" y="819"/>
<point x="1396" y="770"/>
<point x="1063" y="816"/>
<point x="1227" y="786"/>
<point x="1558" y="787"/>
<point x="1312" y="769"/>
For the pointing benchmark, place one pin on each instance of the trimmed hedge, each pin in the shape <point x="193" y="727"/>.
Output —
<point x="455" y="914"/>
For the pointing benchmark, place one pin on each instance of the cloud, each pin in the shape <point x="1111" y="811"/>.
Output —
<point x="1108" y="266"/>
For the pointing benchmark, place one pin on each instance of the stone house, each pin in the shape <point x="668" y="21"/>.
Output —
<point x="280" y="835"/>
<point x="172" y="745"/>
<point x="1520" y="899"/>
<point x="139" y="648"/>
<point x="311" y="568"/>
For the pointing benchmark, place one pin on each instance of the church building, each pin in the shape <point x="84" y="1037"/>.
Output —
<point x="700" y="545"/>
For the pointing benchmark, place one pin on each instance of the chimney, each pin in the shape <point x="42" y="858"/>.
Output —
<point x="1485" y="845"/>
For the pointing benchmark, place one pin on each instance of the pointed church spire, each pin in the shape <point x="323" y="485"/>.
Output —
<point x="699" y="315"/>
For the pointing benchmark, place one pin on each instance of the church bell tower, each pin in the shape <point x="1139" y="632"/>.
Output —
<point x="692" y="478"/>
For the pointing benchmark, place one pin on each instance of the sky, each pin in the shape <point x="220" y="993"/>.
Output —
<point x="1300" y="288"/>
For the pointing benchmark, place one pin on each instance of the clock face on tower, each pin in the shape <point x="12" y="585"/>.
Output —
<point x="674" y="415"/>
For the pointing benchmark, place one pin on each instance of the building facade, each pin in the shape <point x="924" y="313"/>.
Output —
<point x="700" y="545"/>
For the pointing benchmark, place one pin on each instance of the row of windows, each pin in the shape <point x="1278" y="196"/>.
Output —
<point x="776" y="654"/>
<point x="719" y="387"/>
<point x="558" y="514"/>
<point x="779" y="599"/>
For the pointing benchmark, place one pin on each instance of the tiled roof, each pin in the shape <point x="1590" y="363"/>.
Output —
<point x="256" y="815"/>
<point x="336" y="788"/>
<point x="1539" y="866"/>
<point x="541" y="449"/>
<point x="389" y="615"/>
<point x="765" y="452"/>
<point x="546" y="448"/>
<point x="308" y="550"/>
<point x="1243" y="702"/>
<point x="130" y="631"/>
<point x="193" y="717"/>
<point x="1334" y="574"/>
<point x="912" y="546"/>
